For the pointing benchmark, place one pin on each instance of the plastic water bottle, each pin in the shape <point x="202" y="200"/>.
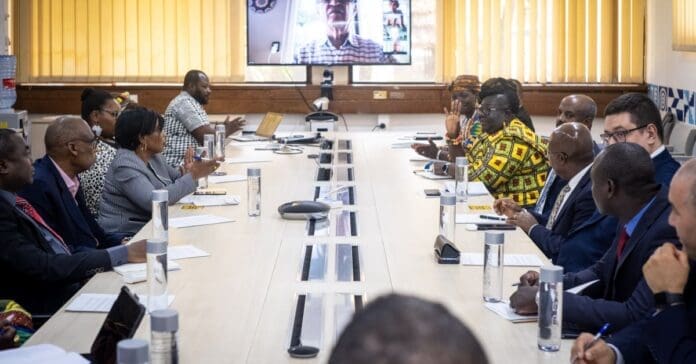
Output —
<point x="461" y="175"/>
<point x="220" y="142"/>
<point x="209" y="144"/>
<point x="160" y="215"/>
<point x="201" y="155"/>
<point x="132" y="351"/>
<point x="157" y="275"/>
<point x="254" y="191"/>
<point x="8" y="93"/>
<point x="164" y="337"/>
<point x="448" y="204"/>
<point x="493" y="266"/>
<point x="550" y="307"/>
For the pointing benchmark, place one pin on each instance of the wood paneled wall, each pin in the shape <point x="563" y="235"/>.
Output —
<point x="250" y="98"/>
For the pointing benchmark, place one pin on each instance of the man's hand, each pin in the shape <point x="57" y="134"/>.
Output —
<point x="7" y="335"/>
<point x="137" y="251"/>
<point x="523" y="219"/>
<point x="234" y="125"/>
<point x="506" y="206"/>
<point x="531" y="278"/>
<point x="523" y="301"/>
<point x="452" y="119"/>
<point x="667" y="270"/>
<point x="426" y="150"/>
<point x="598" y="353"/>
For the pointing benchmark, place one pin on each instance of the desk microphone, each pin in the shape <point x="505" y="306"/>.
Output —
<point x="380" y="125"/>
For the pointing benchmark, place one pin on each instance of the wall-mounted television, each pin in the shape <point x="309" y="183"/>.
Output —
<point x="333" y="32"/>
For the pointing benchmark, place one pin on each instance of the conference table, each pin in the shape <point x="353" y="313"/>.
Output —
<point x="238" y="304"/>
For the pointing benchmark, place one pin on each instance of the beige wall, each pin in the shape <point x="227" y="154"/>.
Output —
<point x="664" y="66"/>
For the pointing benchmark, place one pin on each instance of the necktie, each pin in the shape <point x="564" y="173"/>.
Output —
<point x="25" y="207"/>
<point x="623" y="238"/>
<point x="539" y="208"/>
<point x="557" y="207"/>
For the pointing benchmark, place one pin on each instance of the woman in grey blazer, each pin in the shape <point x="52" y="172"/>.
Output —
<point x="138" y="169"/>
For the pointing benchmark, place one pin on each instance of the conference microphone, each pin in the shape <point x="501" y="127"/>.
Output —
<point x="380" y="125"/>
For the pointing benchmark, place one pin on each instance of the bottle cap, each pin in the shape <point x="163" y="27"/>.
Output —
<point x="253" y="172"/>
<point x="551" y="274"/>
<point x="156" y="246"/>
<point x="160" y="195"/>
<point x="461" y="161"/>
<point x="132" y="351"/>
<point x="166" y="320"/>
<point x="448" y="199"/>
<point x="494" y="237"/>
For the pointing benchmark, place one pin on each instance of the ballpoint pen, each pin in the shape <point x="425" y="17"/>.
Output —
<point x="596" y="338"/>
<point x="493" y="217"/>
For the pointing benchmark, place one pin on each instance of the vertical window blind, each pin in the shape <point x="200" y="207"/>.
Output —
<point x="684" y="25"/>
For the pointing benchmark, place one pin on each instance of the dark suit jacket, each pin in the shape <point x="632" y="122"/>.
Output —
<point x="668" y="337"/>
<point x="621" y="296"/>
<point x="72" y="221"/>
<point x="34" y="275"/>
<point x="586" y="244"/>
<point x="665" y="167"/>
<point x="576" y="210"/>
<point x="551" y="195"/>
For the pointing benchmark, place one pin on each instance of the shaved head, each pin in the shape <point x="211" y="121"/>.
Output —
<point x="577" y="108"/>
<point x="64" y="130"/>
<point x="570" y="149"/>
<point x="682" y="197"/>
<point x="687" y="172"/>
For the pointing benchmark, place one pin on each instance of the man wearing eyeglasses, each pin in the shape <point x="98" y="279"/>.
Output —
<point x="634" y="118"/>
<point x="341" y="45"/>
<point x="56" y="193"/>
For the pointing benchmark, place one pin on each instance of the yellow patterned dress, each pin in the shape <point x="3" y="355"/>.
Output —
<point x="511" y="163"/>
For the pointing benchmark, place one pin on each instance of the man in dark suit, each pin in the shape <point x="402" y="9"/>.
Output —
<point x="623" y="185"/>
<point x="56" y="192"/>
<point x="570" y="155"/>
<point x="668" y="336"/>
<point x="42" y="273"/>
<point x="634" y="118"/>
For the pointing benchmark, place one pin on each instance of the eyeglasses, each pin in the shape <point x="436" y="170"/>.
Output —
<point x="620" y="135"/>
<point x="115" y="114"/>
<point x="92" y="142"/>
<point x="487" y="110"/>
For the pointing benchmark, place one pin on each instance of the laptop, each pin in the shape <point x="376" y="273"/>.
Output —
<point x="266" y="129"/>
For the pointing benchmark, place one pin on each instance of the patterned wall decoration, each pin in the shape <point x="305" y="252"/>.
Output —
<point x="679" y="101"/>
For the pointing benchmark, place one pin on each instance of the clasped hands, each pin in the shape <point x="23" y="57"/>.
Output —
<point x="516" y="215"/>
<point x="198" y="168"/>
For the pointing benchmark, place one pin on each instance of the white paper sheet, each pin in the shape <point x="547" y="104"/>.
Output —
<point x="184" y="252"/>
<point x="248" y="159"/>
<point x="430" y="175"/>
<point x="42" y="353"/>
<point x="581" y="287"/>
<point x="510" y="260"/>
<point x="401" y="145"/>
<point x="227" y="178"/>
<point x="142" y="267"/>
<point x="474" y="188"/>
<point x="476" y="219"/>
<point x="99" y="302"/>
<point x="210" y="200"/>
<point x="197" y="220"/>
<point x="504" y="310"/>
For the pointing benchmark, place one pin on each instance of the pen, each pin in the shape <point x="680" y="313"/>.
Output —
<point x="596" y="338"/>
<point x="493" y="217"/>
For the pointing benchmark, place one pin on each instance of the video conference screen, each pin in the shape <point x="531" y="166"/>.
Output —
<point x="334" y="32"/>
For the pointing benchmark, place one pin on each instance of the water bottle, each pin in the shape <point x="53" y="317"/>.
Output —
<point x="160" y="217"/>
<point x="164" y="337"/>
<point x="448" y="215"/>
<point x="220" y="142"/>
<point x="461" y="175"/>
<point x="254" y="191"/>
<point x="132" y="351"/>
<point x="8" y="94"/>
<point x="493" y="266"/>
<point x="209" y="144"/>
<point x="550" y="301"/>
<point x="201" y="155"/>
<point x="157" y="275"/>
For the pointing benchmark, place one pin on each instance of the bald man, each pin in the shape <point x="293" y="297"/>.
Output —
<point x="570" y="155"/>
<point x="56" y="192"/>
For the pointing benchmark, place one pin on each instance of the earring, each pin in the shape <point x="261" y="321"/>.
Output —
<point x="143" y="147"/>
<point x="97" y="130"/>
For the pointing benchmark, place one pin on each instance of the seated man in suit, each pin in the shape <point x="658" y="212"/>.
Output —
<point x="668" y="336"/>
<point x="406" y="330"/>
<point x="56" y="192"/>
<point x="42" y="273"/>
<point x="623" y="185"/>
<point x="634" y="118"/>
<point x="570" y="155"/>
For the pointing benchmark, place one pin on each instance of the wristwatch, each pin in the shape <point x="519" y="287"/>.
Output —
<point x="667" y="299"/>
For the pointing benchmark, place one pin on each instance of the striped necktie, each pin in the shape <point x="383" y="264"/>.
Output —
<point x="556" y="207"/>
<point x="25" y="207"/>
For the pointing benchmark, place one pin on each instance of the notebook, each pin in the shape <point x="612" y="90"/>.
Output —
<point x="265" y="131"/>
